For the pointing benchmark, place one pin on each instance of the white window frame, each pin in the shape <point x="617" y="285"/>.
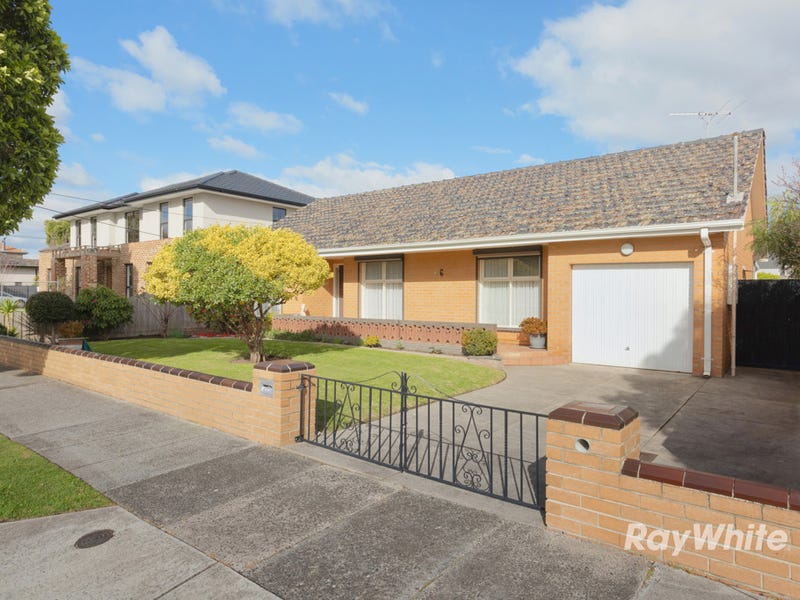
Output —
<point x="383" y="281"/>
<point x="510" y="279"/>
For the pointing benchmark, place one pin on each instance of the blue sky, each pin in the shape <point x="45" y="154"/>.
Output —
<point x="338" y="96"/>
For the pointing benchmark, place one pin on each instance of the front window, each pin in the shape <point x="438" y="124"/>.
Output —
<point x="129" y="280"/>
<point x="188" y="215"/>
<point x="93" y="225"/>
<point x="78" y="225"/>
<point x="382" y="289"/>
<point x="278" y="214"/>
<point x="163" y="210"/>
<point x="510" y="289"/>
<point x="132" y="226"/>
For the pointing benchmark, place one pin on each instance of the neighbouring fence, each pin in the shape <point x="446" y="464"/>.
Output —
<point x="148" y="319"/>
<point x="768" y="324"/>
<point x="21" y="291"/>
<point x="598" y="489"/>
<point x="267" y="412"/>
<point x="386" y="330"/>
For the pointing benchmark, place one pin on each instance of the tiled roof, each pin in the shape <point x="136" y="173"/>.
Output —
<point x="679" y="183"/>
<point x="229" y="182"/>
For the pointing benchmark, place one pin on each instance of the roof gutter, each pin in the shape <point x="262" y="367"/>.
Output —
<point x="537" y="238"/>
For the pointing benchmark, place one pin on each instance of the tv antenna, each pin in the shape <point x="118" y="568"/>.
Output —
<point x="707" y="116"/>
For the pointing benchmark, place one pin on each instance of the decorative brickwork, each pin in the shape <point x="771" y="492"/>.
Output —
<point x="598" y="489"/>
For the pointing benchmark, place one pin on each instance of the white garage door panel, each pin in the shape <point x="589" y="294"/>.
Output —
<point x="636" y="315"/>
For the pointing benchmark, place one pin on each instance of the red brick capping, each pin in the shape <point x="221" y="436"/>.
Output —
<point x="283" y="366"/>
<point x="743" y="489"/>
<point x="246" y="386"/>
<point x="595" y="414"/>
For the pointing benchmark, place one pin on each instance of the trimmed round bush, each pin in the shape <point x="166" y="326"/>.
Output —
<point x="50" y="308"/>
<point x="372" y="341"/>
<point x="479" y="342"/>
<point x="102" y="309"/>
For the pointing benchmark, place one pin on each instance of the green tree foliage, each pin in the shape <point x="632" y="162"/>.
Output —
<point x="57" y="232"/>
<point x="47" y="310"/>
<point x="233" y="276"/>
<point x="102" y="310"/>
<point x="779" y="235"/>
<point x="32" y="59"/>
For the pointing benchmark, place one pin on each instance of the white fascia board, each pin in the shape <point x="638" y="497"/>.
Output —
<point x="673" y="229"/>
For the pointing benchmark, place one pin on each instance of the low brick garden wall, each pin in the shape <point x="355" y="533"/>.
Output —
<point x="421" y="332"/>
<point x="598" y="489"/>
<point x="232" y="406"/>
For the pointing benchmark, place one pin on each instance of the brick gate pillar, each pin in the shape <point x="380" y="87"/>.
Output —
<point x="277" y="385"/>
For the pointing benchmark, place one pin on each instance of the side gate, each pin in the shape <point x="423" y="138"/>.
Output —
<point x="485" y="449"/>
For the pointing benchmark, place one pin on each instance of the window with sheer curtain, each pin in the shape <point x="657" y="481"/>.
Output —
<point x="382" y="289"/>
<point x="510" y="289"/>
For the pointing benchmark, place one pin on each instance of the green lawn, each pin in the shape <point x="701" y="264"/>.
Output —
<point x="31" y="486"/>
<point x="223" y="356"/>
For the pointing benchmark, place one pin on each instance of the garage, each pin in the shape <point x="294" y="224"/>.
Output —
<point x="633" y="315"/>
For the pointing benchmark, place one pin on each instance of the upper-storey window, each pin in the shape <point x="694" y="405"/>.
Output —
<point x="93" y="227"/>
<point x="132" y="226"/>
<point x="278" y="214"/>
<point x="188" y="215"/>
<point x="163" y="210"/>
<point x="78" y="225"/>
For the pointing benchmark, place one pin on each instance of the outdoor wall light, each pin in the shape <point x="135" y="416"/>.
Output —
<point x="626" y="249"/>
<point x="441" y="272"/>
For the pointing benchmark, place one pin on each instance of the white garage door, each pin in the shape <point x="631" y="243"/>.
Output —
<point x="637" y="315"/>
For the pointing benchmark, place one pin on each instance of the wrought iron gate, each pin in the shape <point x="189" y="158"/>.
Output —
<point x="485" y="449"/>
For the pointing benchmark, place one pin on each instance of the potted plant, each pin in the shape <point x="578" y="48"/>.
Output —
<point x="536" y="329"/>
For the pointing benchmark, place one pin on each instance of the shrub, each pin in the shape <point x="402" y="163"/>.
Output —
<point x="307" y="335"/>
<point x="46" y="310"/>
<point x="767" y="276"/>
<point x="103" y="310"/>
<point x="372" y="341"/>
<point x="533" y="326"/>
<point x="10" y="332"/>
<point x="71" y="329"/>
<point x="479" y="342"/>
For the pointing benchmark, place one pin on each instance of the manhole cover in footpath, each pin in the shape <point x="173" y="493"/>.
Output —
<point x="94" y="538"/>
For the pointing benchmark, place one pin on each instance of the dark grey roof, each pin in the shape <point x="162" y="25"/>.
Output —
<point x="678" y="183"/>
<point x="229" y="182"/>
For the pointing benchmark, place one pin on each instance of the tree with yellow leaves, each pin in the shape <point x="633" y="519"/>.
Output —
<point x="234" y="275"/>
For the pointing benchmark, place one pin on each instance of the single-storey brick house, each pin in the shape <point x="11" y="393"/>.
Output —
<point x="632" y="257"/>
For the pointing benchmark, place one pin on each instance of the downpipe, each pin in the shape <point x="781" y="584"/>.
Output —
<point x="707" y="282"/>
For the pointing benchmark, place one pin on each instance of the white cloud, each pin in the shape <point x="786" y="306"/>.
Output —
<point x="175" y="77"/>
<point x="250" y="115"/>
<point x="60" y="112"/>
<point x="151" y="183"/>
<point x="387" y="34"/>
<point x="437" y="60"/>
<point x="527" y="160"/>
<point x="350" y="103"/>
<point x="184" y="76"/>
<point x="227" y="143"/>
<point x="527" y="107"/>
<point x="75" y="175"/>
<point x="328" y="12"/>
<point x="491" y="150"/>
<point x="615" y="72"/>
<point x="343" y="174"/>
<point x="98" y="137"/>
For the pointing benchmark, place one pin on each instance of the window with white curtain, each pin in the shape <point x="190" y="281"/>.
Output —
<point x="510" y="289"/>
<point x="382" y="289"/>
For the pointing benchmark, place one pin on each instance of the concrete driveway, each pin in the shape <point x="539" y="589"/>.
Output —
<point x="222" y="517"/>
<point x="745" y="426"/>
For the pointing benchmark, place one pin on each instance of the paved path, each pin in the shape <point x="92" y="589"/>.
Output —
<point x="222" y="517"/>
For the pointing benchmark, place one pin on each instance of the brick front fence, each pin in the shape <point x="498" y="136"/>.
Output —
<point x="266" y="410"/>
<point x="597" y="489"/>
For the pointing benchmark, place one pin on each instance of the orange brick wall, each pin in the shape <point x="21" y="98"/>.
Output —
<point x="589" y="497"/>
<point x="241" y="412"/>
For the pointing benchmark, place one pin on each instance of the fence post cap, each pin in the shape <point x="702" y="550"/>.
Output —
<point x="283" y="366"/>
<point x="608" y="416"/>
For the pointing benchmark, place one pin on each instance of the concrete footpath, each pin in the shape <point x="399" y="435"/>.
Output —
<point x="206" y="515"/>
